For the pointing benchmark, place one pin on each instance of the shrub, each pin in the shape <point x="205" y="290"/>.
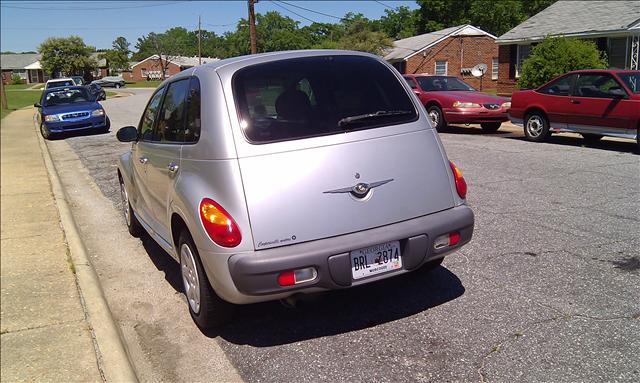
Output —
<point x="16" y="79"/>
<point x="558" y="55"/>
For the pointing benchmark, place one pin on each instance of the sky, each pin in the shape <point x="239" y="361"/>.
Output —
<point x="26" y="24"/>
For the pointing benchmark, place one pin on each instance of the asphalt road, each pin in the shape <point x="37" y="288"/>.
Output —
<point x="548" y="289"/>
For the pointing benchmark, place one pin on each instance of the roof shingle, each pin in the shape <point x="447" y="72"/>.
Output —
<point x="576" y="18"/>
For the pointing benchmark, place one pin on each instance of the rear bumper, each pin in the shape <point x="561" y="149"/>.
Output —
<point x="254" y="274"/>
<point x="459" y="116"/>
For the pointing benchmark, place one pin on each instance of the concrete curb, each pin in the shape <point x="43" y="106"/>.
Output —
<point x="113" y="359"/>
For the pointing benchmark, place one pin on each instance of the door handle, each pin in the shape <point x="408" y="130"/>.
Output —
<point x="173" y="167"/>
<point x="143" y="160"/>
<point x="574" y="101"/>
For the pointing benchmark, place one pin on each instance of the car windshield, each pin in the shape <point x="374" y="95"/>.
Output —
<point x="66" y="96"/>
<point x="57" y="84"/>
<point x="631" y="80"/>
<point x="313" y="96"/>
<point x="441" y="83"/>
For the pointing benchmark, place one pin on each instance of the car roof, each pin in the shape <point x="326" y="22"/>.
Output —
<point x="59" y="88"/>
<point x="61" y="79"/>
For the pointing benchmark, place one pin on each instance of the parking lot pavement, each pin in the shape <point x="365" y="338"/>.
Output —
<point x="548" y="289"/>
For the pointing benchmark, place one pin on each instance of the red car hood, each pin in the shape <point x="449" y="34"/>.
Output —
<point x="468" y="96"/>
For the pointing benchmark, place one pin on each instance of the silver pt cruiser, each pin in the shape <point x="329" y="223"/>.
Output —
<point x="283" y="173"/>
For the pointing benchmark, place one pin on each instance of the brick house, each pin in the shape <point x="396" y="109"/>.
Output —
<point x="24" y="65"/>
<point x="613" y="25"/>
<point x="151" y="68"/>
<point x="451" y="51"/>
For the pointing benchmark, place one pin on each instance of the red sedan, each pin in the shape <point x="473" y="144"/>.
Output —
<point x="450" y="100"/>
<point x="594" y="103"/>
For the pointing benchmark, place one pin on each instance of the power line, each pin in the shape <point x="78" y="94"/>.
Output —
<point x="297" y="14"/>
<point x="310" y="10"/>
<point x="92" y="8"/>
<point x="385" y="5"/>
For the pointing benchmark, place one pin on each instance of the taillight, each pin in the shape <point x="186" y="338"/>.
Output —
<point x="447" y="240"/>
<point x="294" y="277"/>
<point x="220" y="226"/>
<point x="461" y="184"/>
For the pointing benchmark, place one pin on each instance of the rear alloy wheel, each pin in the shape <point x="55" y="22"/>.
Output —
<point x="134" y="226"/>
<point x="437" y="118"/>
<point x="490" y="126"/>
<point x="117" y="86"/>
<point x="536" y="127"/>
<point x="591" y="138"/>
<point x="206" y="308"/>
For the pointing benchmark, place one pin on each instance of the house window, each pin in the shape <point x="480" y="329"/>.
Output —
<point x="523" y="53"/>
<point x="441" y="68"/>
<point x="143" y="72"/>
<point x="617" y="52"/>
<point x="494" y="68"/>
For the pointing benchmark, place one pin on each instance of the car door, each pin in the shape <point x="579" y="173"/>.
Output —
<point x="415" y="88"/>
<point x="140" y="158"/>
<point x="599" y="104"/>
<point x="555" y="100"/>
<point x="164" y="153"/>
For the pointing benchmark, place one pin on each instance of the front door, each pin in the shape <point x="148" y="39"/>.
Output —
<point x="164" y="155"/>
<point x="140" y="200"/>
<point x="598" y="105"/>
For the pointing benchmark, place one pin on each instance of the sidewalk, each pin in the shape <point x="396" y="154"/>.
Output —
<point x="47" y="331"/>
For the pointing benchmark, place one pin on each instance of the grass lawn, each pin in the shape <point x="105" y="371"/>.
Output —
<point x="22" y="86"/>
<point x="111" y="94"/>
<point x="143" y="84"/>
<point x="17" y="99"/>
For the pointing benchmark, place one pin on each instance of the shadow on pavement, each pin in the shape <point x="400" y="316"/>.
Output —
<point x="77" y="133"/>
<point x="271" y="324"/>
<point x="325" y="314"/>
<point x="576" y="141"/>
<point x="473" y="130"/>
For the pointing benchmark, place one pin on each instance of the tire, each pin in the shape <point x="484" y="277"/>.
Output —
<point x="117" y="86"/>
<point x="134" y="226"/>
<point x="437" y="118"/>
<point x="207" y="309"/>
<point x="46" y="134"/>
<point x="536" y="127"/>
<point x="107" y="127"/>
<point x="490" y="126"/>
<point x="591" y="138"/>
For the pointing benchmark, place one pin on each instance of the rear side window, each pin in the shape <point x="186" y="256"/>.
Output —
<point x="172" y="116"/>
<point x="313" y="96"/>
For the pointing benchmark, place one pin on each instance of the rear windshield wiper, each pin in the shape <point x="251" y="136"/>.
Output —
<point x="368" y="116"/>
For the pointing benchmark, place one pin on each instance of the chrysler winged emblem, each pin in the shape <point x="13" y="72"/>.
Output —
<point x="360" y="190"/>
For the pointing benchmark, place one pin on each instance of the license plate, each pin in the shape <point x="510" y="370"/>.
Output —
<point x="376" y="259"/>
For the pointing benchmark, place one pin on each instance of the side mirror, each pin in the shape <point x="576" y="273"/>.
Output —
<point x="37" y="105"/>
<point x="127" y="134"/>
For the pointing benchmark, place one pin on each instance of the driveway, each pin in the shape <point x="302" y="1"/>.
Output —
<point x="548" y="289"/>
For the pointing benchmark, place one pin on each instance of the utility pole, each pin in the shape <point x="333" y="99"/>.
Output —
<point x="252" y="27"/>
<point x="3" y="94"/>
<point x="199" y="43"/>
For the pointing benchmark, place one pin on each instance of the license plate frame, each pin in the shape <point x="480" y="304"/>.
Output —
<point x="375" y="260"/>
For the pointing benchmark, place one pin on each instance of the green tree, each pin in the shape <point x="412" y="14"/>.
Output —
<point x="359" y="35"/>
<point x="399" y="23"/>
<point x="493" y="16"/>
<point x="117" y="57"/>
<point x="68" y="55"/>
<point x="557" y="55"/>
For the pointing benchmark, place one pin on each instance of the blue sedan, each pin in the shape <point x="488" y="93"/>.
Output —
<point x="69" y="109"/>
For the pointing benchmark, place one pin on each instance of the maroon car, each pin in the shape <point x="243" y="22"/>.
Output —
<point x="450" y="100"/>
<point x="594" y="103"/>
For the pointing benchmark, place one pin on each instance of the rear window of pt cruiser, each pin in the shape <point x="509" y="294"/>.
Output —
<point x="314" y="96"/>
